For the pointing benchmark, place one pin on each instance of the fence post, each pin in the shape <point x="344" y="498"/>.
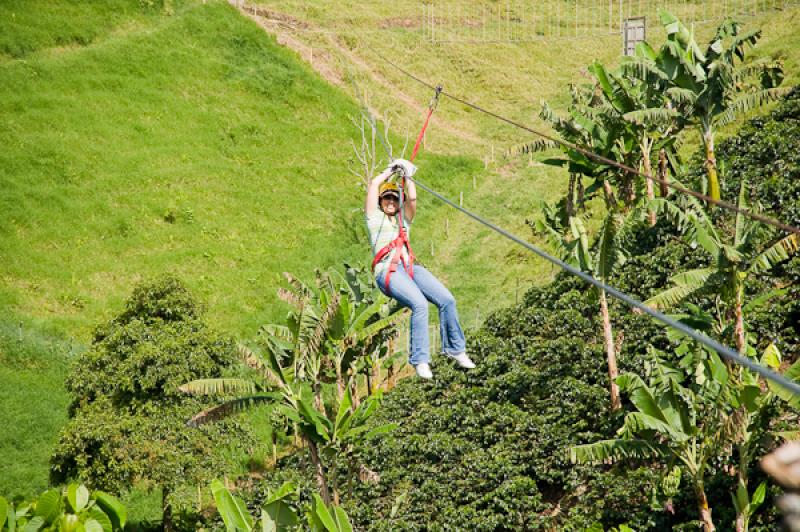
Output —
<point x="461" y="198"/>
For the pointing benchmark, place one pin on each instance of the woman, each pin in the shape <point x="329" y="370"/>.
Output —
<point x="410" y="284"/>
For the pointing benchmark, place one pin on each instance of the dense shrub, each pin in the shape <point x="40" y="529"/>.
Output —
<point x="128" y="417"/>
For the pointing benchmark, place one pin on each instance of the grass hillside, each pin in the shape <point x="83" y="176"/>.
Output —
<point x="510" y="78"/>
<point x="193" y="144"/>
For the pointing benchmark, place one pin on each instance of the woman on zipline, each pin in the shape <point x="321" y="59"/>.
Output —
<point x="398" y="277"/>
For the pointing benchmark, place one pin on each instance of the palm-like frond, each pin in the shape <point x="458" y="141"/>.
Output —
<point x="642" y="68"/>
<point x="749" y="101"/>
<point x="290" y="297"/>
<point x="314" y="339"/>
<point x="614" y="450"/>
<point x="702" y="231"/>
<point x="651" y="116"/>
<point x="535" y="146"/>
<point x="373" y="329"/>
<point x="682" y="97"/>
<point x="609" y="254"/>
<point x="218" y="387"/>
<point x="253" y="361"/>
<point x="686" y="284"/>
<point x="229" y="408"/>
<point x="780" y="251"/>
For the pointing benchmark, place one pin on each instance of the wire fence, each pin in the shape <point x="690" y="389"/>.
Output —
<point x="528" y="20"/>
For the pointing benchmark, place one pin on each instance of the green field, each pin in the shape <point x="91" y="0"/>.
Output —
<point x="139" y="140"/>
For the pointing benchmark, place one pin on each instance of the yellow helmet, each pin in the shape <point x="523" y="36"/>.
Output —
<point x="389" y="189"/>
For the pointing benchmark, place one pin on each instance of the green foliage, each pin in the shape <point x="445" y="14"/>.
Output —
<point x="127" y="419"/>
<point x="67" y="509"/>
<point x="277" y="515"/>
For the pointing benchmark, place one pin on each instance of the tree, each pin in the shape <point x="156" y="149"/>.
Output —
<point x="692" y="413"/>
<point x="127" y="413"/>
<point x="732" y="263"/>
<point x="711" y="89"/>
<point x="365" y="321"/>
<point x="609" y="254"/>
<point x="324" y="324"/>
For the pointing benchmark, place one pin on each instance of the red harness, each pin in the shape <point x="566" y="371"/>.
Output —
<point x="402" y="237"/>
<point x="397" y="244"/>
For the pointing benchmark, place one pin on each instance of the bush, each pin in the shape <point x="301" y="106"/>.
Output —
<point x="127" y="417"/>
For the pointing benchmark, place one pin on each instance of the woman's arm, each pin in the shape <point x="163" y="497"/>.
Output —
<point x="372" y="191"/>
<point x="410" y="204"/>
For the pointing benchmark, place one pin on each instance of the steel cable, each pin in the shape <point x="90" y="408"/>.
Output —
<point x="723" y="350"/>
<point x="599" y="158"/>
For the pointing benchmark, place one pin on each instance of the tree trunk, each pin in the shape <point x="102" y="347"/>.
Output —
<point x="611" y="200"/>
<point x="318" y="403"/>
<point x="354" y="391"/>
<point x="648" y="171"/>
<point x="711" y="164"/>
<point x="274" y="447"/>
<point x="570" y="205"/>
<point x="339" y="381"/>
<point x="608" y="334"/>
<point x="738" y="329"/>
<point x="376" y="375"/>
<point x="319" y="472"/>
<point x="166" y="510"/>
<point x="702" y="505"/>
<point x="662" y="173"/>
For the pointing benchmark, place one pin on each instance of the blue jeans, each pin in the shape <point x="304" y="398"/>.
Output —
<point x="415" y="294"/>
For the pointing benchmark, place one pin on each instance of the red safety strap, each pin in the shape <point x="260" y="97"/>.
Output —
<point x="402" y="237"/>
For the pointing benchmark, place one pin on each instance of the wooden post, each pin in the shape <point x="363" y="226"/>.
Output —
<point x="199" y="499"/>
<point x="461" y="198"/>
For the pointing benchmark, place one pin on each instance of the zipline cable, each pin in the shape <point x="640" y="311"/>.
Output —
<point x="605" y="160"/>
<point x="723" y="350"/>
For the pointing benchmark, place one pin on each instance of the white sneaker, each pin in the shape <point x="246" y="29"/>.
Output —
<point x="424" y="371"/>
<point x="463" y="360"/>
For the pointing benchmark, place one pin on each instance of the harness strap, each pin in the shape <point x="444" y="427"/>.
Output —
<point x="402" y="237"/>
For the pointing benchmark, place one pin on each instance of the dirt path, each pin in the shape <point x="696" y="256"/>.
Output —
<point x="286" y="29"/>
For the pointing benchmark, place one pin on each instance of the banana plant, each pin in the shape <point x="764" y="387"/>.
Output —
<point x="363" y="322"/>
<point x="711" y="88"/>
<point x="569" y="236"/>
<point x="749" y="253"/>
<point x="69" y="509"/>
<point x="636" y="96"/>
<point x="692" y="411"/>
<point x="277" y="514"/>
<point x="672" y="423"/>
<point x="592" y="127"/>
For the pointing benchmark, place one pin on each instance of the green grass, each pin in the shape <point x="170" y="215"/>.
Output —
<point x="34" y="405"/>
<point x="197" y="147"/>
